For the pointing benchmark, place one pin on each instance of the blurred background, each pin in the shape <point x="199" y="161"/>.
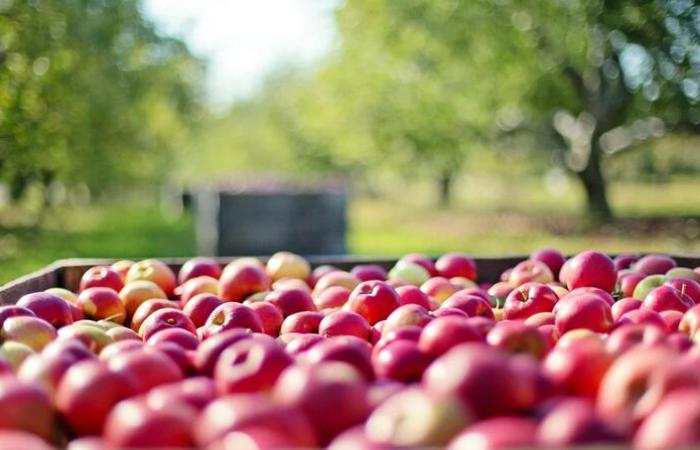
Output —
<point x="489" y="126"/>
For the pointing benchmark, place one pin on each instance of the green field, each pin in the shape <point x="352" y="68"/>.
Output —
<point x="487" y="218"/>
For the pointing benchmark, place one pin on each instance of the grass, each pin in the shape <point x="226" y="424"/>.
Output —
<point x="488" y="217"/>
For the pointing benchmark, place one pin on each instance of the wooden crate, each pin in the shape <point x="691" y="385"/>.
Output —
<point x="67" y="272"/>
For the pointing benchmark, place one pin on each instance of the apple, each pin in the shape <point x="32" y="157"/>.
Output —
<point x="355" y="438"/>
<point x="199" y="307"/>
<point x="665" y="297"/>
<point x="336" y="278"/>
<point x="382" y="390"/>
<point x="302" y="322"/>
<point x="101" y="303"/>
<point x="624" y="261"/>
<point x="333" y="297"/>
<point x="8" y="311"/>
<point x="456" y="265"/>
<point x="21" y="440"/>
<point x="366" y="272"/>
<point x="499" y="292"/>
<point x="583" y="311"/>
<point x="320" y="271"/>
<point x="472" y="305"/>
<point x="690" y="323"/>
<point x="66" y="347"/>
<point x="134" y="423"/>
<point x="552" y="257"/>
<point x="210" y="350"/>
<point x="291" y="301"/>
<point x="196" y="286"/>
<point x="164" y="319"/>
<point x="577" y="367"/>
<point x="88" y="391"/>
<point x="689" y="287"/>
<point x="65" y="294"/>
<point x="630" y="335"/>
<point x="286" y="264"/>
<point x="45" y="370"/>
<point x="238" y="281"/>
<point x="683" y="272"/>
<point x="153" y="270"/>
<point x="32" y="331"/>
<point x="411" y="273"/>
<point x="347" y="349"/>
<point x="414" y="419"/>
<point x="137" y="292"/>
<point x="297" y="343"/>
<point x="481" y="378"/>
<point x="623" y="306"/>
<point x="196" y="392"/>
<point x="253" y="411"/>
<point x="497" y="433"/>
<point x="679" y="341"/>
<point x="590" y="269"/>
<point x="374" y="300"/>
<point x="574" y="422"/>
<point x="629" y="282"/>
<point x="421" y="260"/>
<point x="179" y="336"/>
<point x="269" y="315"/>
<point x="516" y="337"/>
<point x="232" y="315"/>
<point x="673" y="424"/>
<point x="122" y="267"/>
<point x="401" y="360"/>
<point x="149" y="367"/>
<point x="529" y="299"/>
<point x="344" y="323"/>
<point x="648" y="284"/>
<point x="49" y="307"/>
<point x="91" y="334"/>
<point x="250" y="365"/>
<point x="25" y="407"/>
<point x="539" y="319"/>
<point x="14" y="353"/>
<point x="672" y="318"/>
<point x="530" y="271"/>
<point x="601" y="294"/>
<point x="654" y="264"/>
<point x="199" y="267"/>
<point x="147" y="308"/>
<point x="439" y="288"/>
<point x="406" y="315"/>
<point x="284" y="284"/>
<point x="119" y="347"/>
<point x="413" y="295"/>
<point x="101" y="276"/>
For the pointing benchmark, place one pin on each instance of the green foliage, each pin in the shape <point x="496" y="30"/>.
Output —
<point x="90" y="93"/>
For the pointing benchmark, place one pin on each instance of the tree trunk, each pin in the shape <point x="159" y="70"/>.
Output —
<point x="445" y="188"/>
<point x="595" y="185"/>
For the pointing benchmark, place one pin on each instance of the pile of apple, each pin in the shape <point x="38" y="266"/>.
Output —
<point x="274" y="355"/>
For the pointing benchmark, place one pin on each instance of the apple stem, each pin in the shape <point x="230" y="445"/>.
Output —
<point x="683" y="289"/>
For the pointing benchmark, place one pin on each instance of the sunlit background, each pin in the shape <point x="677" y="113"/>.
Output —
<point x="492" y="127"/>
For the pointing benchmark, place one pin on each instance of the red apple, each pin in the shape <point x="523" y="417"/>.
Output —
<point x="413" y="295"/>
<point x="366" y="272"/>
<point x="98" y="303"/>
<point x="500" y="291"/>
<point x="302" y="322"/>
<point x="45" y="371"/>
<point x="673" y="424"/>
<point x="297" y="343"/>
<point x="270" y="317"/>
<point x="32" y="331"/>
<point x="628" y="283"/>
<point x="439" y="289"/>
<point x="672" y="318"/>
<point x="344" y="323"/>
<point x="25" y="407"/>
<point x="209" y="351"/>
<point x="199" y="267"/>
<point x="472" y="305"/>
<point x="421" y="260"/>
<point x="406" y="315"/>
<point x="149" y="367"/>
<point x="164" y="319"/>
<point x="631" y="335"/>
<point x="8" y="311"/>
<point x="21" y="440"/>
<point x="196" y="392"/>
<point x="552" y="257"/>
<point x="284" y="284"/>
<point x="623" y="306"/>
<point x="88" y="391"/>
<point x="591" y="269"/>
<point x="49" y="307"/>
<point x="179" y="336"/>
<point x="539" y="319"/>
<point x="320" y="271"/>
<point x="643" y="317"/>
<point x="530" y="271"/>
<point x="196" y="286"/>
<point x="238" y="281"/>
<point x="529" y="299"/>
<point x="401" y="360"/>
<point x="333" y="297"/>
<point x="347" y="349"/>
<point x="577" y="368"/>
<point x="147" y="308"/>
<point x="91" y="334"/>
<point x="336" y="278"/>
<point x="117" y="348"/>
<point x="291" y="301"/>
<point x="516" y="337"/>
<point x="456" y="265"/>
<point x="374" y="300"/>
<point x="155" y="271"/>
<point x="665" y="297"/>
<point x="200" y="307"/>
<point x="497" y="433"/>
<point x="232" y="315"/>
<point x="250" y="365"/>
<point x="690" y="323"/>
<point x="689" y="287"/>
<point x="286" y="264"/>
<point x="624" y="261"/>
<point x="573" y="422"/>
<point x="135" y="293"/>
<point x="583" y="311"/>
<point x="654" y="264"/>
<point x="101" y="276"/>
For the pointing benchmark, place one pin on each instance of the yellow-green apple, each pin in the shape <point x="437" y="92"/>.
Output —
<point x="199" y="267"/>
<point x="92" y="335"/>
<point x="590" y="269"/>
<point x="529" y="299"/>
<point x="65" y="294"/>
<point x="238" y="281"/>
<point x="374" y="300"/>
<point x="411" y="273"/>
<point x="250" y="365"/>
<point x="290" y="283"/>
<point x="648" y="284"/>
<point x="302" y="322"/>
<point x="421" y="260"/>
<point x="654" y="264"/>
<point x="15" y="353"/>
<point x="32" y="331"/>
<point x="101" y="276"/>
<point x="49" y="307"/>
<point x="122" y="267"/>
<point x="683" y="272"/>
<point x="499" y="292"/>
<point x="456" y="265"/>
<point x="690" y="323"/>
<point x="344" y="323"/>
<point x="269" y="315"/>
<point x="286" y="264"/>
<point x="137" y="292"/>
<point x="153" y="270"/>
